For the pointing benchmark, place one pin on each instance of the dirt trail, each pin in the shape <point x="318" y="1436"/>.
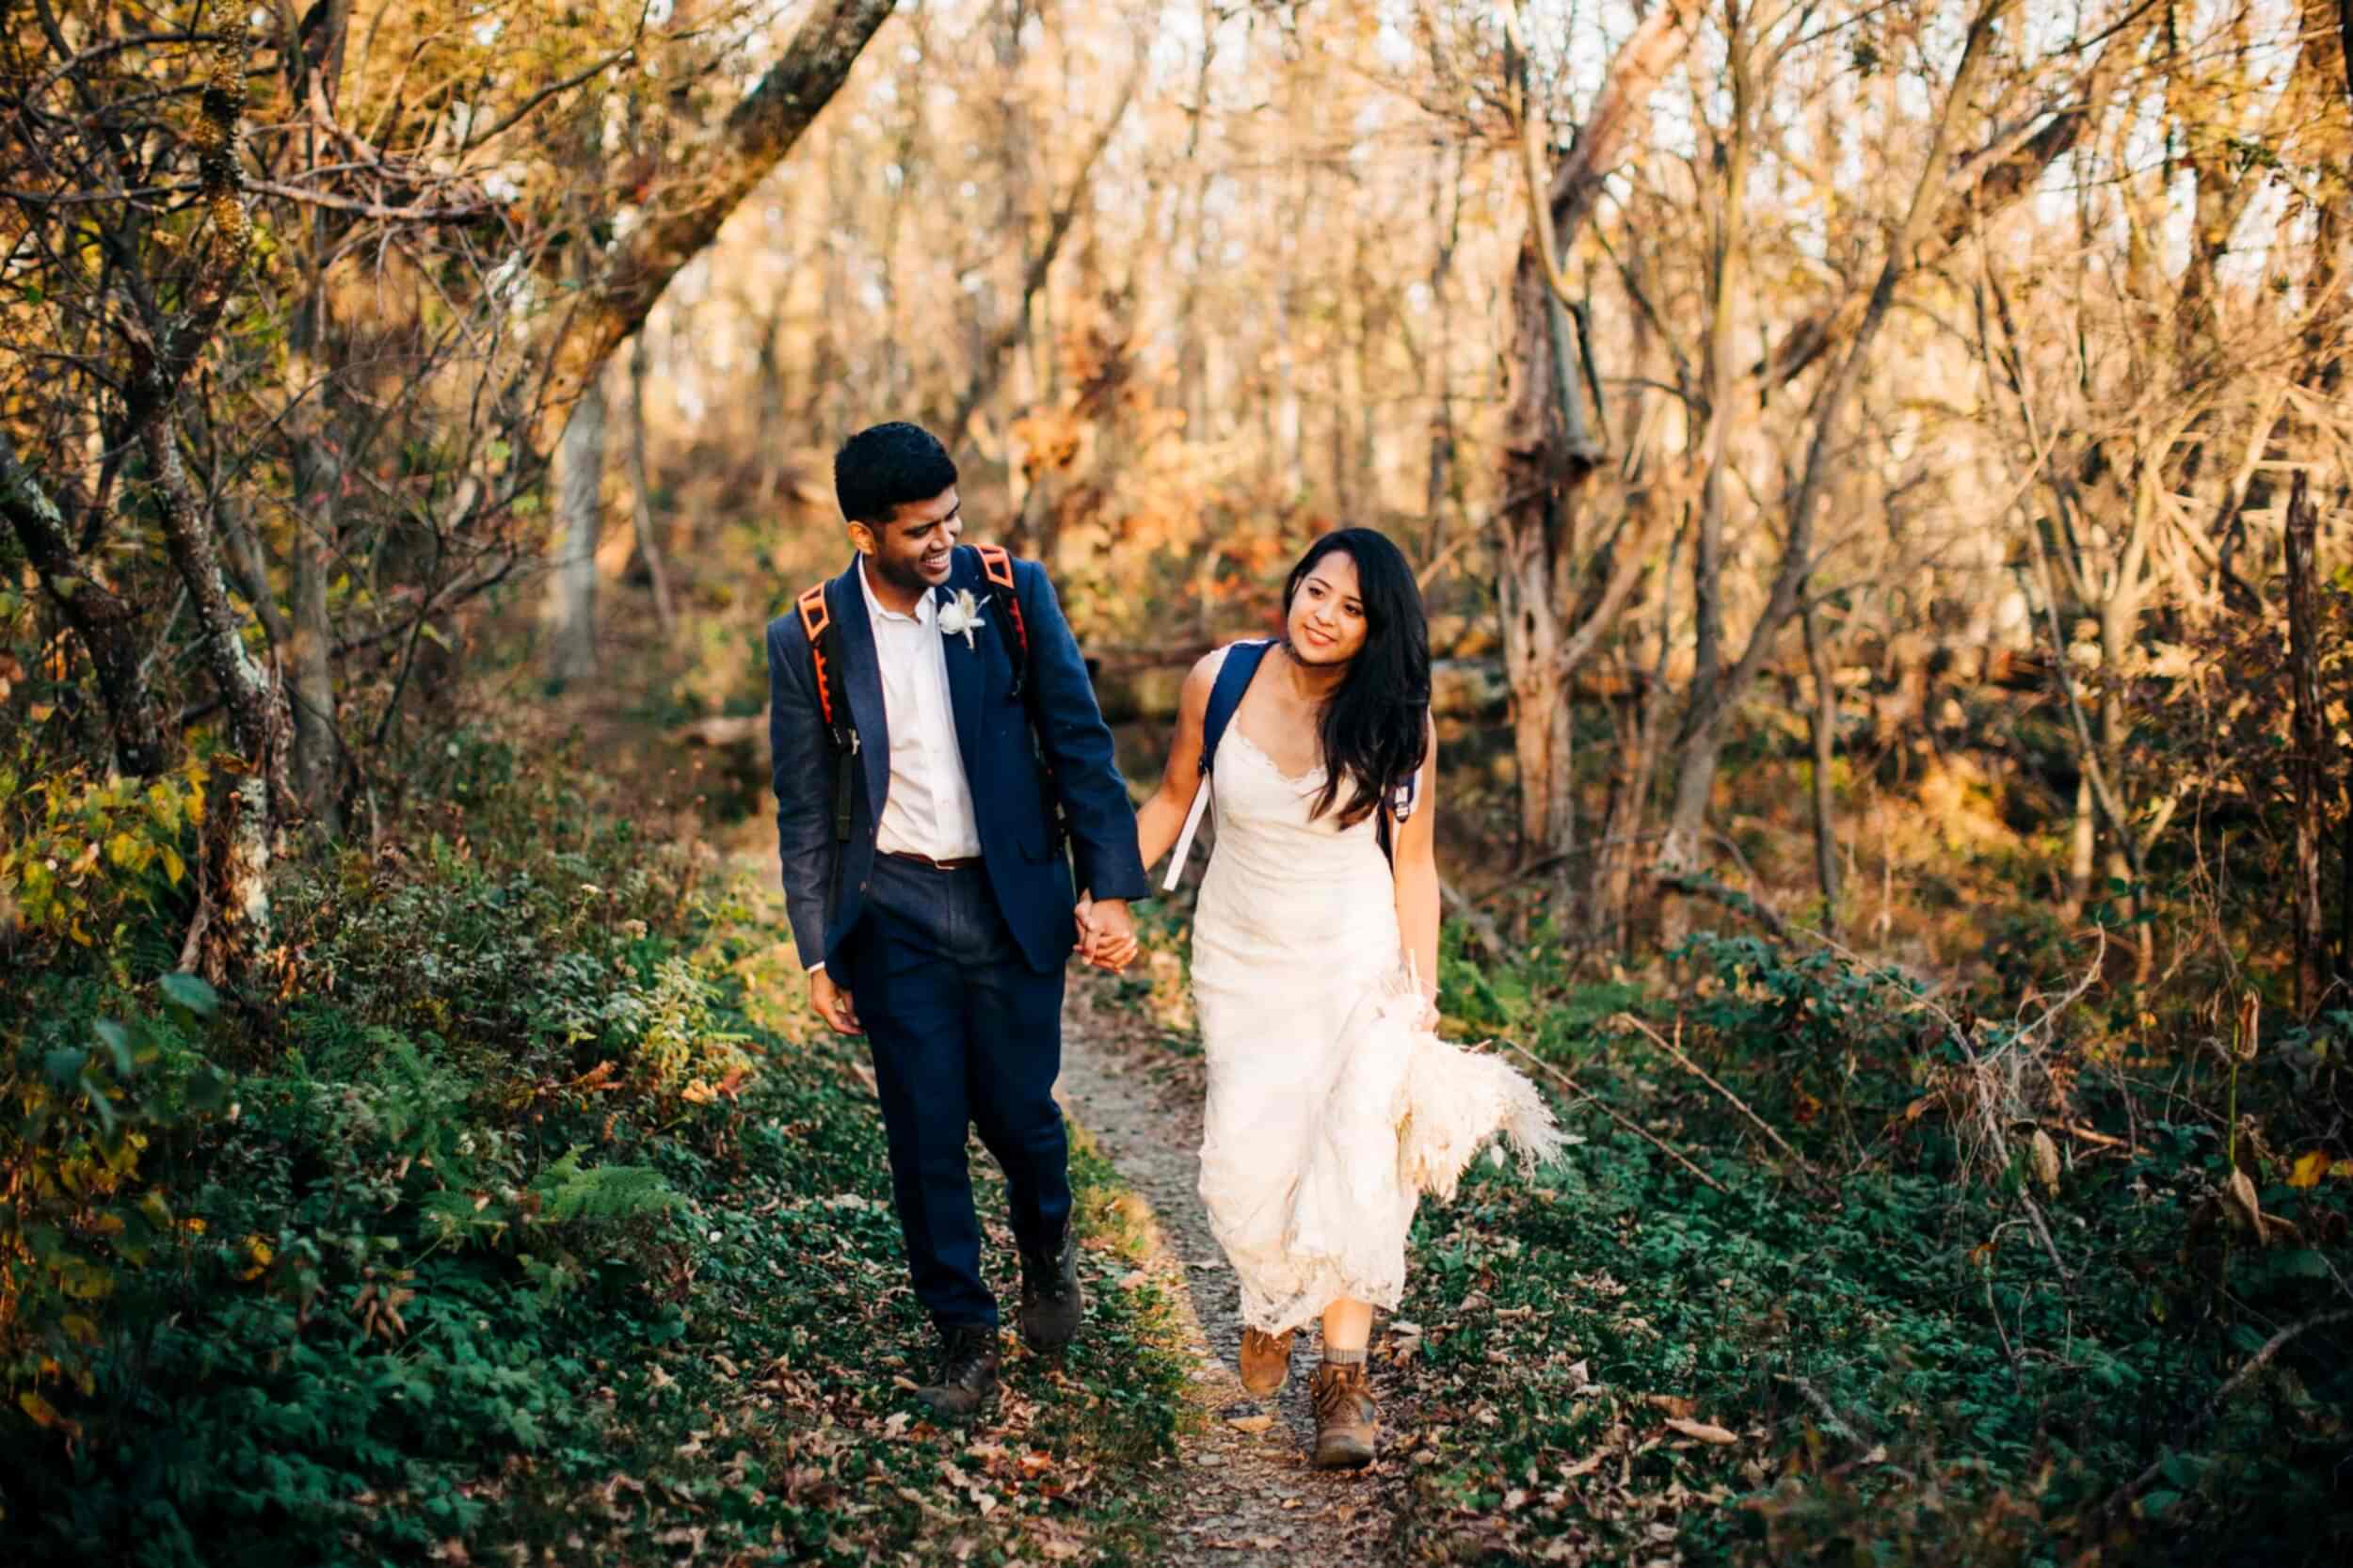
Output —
<point x="1244" y="1497"/>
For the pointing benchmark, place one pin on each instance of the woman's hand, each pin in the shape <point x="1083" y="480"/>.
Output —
<point x="1107" y="938"/>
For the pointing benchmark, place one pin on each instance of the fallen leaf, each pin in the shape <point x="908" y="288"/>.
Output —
<point x="2308" y="1170"/>
<point x="2046" y="1160"/>
<point x="1673" y="1404"/>
<point x="1587" y="1466"/>
<point x="1706" y="1432"/>
<point x="1250" y="1423"/>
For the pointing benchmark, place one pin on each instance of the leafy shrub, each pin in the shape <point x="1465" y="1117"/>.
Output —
<point x="83" y="859"/>
<point x="497" y="1215"/>
<point x="1922" y="1347"/>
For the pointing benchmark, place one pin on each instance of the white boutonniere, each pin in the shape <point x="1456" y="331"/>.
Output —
<point x="961" y="615"/>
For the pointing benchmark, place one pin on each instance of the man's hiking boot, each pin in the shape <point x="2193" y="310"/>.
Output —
<point x="967" y="1370"/>
<point x="1051" y="1301"/>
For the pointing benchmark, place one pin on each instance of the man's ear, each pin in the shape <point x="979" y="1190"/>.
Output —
<point x="862" y="539"/>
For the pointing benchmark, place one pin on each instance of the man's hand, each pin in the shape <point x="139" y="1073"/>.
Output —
<point x="833" y="1004"/>
<point x="1108" y="934"/>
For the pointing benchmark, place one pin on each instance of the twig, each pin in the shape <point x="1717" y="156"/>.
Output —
<point x="531" y="105"/>
<point x="2034" y="1212"/>
<point x="1587" y="1097"/>
<point x="1994" y="1310"/>
<point x="1439" y="561"/>
<point x="1482" y="926"/>
<point x="1715" y="893"/>
<point x="1831" y="1420"/>
<point x="193" y="948"/>
<point x="373" y="209"/>
<point x="1703" y="1075"/>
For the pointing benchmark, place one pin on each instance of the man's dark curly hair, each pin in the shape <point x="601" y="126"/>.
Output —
<point x="885" y="465"/>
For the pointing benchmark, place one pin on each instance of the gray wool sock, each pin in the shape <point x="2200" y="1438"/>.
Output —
<point x="1344" y="1358"/>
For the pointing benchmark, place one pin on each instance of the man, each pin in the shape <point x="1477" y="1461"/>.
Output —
<point x="934" y="907"/>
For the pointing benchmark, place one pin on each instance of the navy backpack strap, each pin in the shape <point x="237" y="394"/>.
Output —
<point x="1233" y="678"/>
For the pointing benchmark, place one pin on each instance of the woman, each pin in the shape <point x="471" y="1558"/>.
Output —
<point x="1332" y="1103"/>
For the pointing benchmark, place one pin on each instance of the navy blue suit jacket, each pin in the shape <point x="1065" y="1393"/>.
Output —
<point x="826" y="880"/>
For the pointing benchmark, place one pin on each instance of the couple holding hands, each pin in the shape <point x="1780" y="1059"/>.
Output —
<point x="941" y="769"/>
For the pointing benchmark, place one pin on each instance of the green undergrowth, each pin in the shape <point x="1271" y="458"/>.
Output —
<point x="1883" y="1329"/>
<point x="509" y="1212"/>
<point x="1892" y="1336"/>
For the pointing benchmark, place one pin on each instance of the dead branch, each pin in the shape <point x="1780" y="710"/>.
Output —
<point x="1705" y="1076"/>
<point x="1586" y="1097"/>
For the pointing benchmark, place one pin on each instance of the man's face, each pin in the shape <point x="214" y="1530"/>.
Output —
<point x="912" y="551"/>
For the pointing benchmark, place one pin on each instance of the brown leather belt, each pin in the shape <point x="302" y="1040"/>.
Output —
<point x="962" y="863"/>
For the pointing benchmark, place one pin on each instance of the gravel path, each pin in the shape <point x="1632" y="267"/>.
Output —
<point x="1247" y="1495"/>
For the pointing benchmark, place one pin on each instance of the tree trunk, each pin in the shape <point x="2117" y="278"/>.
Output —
<point x="312" y="430"/>
<point x="720" y="172"/>
<point x="641" y="488"/>
<point x="2305" y="755"/>
<point x="2083" y="837"/>
<point x="1546" y="465"/>
<point x="1442" y="487"/>
<point x="1679" y="853"/>
<point x="257" y="722"/>
<point x="318" y="745"/>
<point x="318" y="473"/>
<point x="1704" y="732"/>
<point x="1543" y="485"/>
<point x="105" y="622"/>
<point x="1823" y="720"/>
<point x="573" y="586"/>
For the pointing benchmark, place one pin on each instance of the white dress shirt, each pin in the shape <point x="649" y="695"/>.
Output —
<point x="929" y="808"/>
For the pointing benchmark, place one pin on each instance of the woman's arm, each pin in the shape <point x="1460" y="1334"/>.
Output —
<point x="1416" y="866"/>
<point x="1162" y="816"/>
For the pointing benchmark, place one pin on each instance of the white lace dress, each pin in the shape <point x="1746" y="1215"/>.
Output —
<point x="1330" y="1108"/>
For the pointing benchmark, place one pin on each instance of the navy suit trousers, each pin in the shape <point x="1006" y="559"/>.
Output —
<point x="964" y="1034"/>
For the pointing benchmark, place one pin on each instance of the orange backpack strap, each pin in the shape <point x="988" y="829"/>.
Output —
<point x="996" y="566"/>
<point x="833" y="700"/>
<point x="816" y="620"/>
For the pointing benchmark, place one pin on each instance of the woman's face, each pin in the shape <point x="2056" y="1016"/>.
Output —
<point x="1326" y="622"/>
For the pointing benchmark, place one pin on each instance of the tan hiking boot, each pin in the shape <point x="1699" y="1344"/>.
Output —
<point x="1348" y="1423"/>
<point x="1266" y="1360"/>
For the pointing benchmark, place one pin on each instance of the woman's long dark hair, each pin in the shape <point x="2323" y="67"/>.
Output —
<point x="1376" y="726"/>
